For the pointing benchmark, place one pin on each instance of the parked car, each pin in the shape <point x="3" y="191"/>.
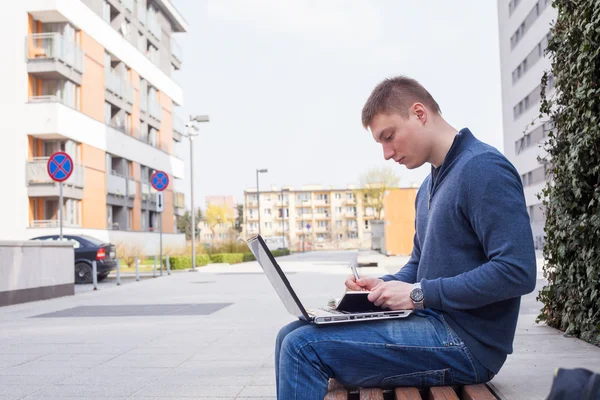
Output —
<point x="88" y="249"/>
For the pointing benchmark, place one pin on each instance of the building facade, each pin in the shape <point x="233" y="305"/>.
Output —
<point x="524" y="30"/>
<point x="92" y="78"/>
<point x="313" y="217"/>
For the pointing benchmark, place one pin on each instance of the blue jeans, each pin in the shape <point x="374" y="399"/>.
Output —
<point x="420" y="350"/>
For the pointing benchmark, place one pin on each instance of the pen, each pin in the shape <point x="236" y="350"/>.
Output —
<point x="355" y="272"/>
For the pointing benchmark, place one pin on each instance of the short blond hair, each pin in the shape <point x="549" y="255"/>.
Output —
<point x="397" y="94"/>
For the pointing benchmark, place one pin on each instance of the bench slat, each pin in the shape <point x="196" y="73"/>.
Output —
<point x="334" y="385"/>
<point x="371" y="394"/>
<point x="477" y="392"/>
<point x="407" y="393"/>
<point x="442" y="393"/>
<point x="336" y="395"/>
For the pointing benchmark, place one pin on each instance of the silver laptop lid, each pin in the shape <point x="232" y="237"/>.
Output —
<point x="276" y="277"/>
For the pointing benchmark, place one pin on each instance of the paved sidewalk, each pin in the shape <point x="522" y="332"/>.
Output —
<point x="210" y="334"/>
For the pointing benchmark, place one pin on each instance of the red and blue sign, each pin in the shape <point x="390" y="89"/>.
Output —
<point x="60" y="166"/>
<point x="159" y="180"/>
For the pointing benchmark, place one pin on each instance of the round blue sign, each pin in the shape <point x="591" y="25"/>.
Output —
<point x="307" y="226"/>
<point x="159" y="180"/>
<point x="60" y="166"/>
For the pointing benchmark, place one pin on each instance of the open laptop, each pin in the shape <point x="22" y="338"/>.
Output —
<point x="353" y="307"/>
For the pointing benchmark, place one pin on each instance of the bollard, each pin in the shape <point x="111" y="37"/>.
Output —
<point x="118" y="272"/>
<point x="95" y="275"/>
<point x="168" y="265"/>
<point x="154" y="272"/>
<point x="137" y="269"/>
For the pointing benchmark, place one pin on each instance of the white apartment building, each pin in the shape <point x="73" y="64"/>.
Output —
<point x="524" y="30"/>
<point x="92" y="78"/>
<point x="319" y="217"/>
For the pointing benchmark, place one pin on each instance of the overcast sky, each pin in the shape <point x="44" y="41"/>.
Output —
<point x="284" y="83"/>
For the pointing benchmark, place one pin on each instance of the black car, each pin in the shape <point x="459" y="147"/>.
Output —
<point x="88" y="249"/>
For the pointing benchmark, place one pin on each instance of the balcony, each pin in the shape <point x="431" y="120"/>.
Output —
<point x="323" y="216"/>
<point x="131" y="188"/>
<point x="51" y="223"/>
<point x="176" y="52"/>
<point x="41" y="185"/>
<point x="50" y="56"/>
<point x="141" y="14"/>
<point x="305" y="217"/>
<point x="321" y="229"/>
<point x="116" y="185"/>
<point x="321" y="202"/>
<point x="154" y="26"/>
<point x="155" y="111"/>
<point x="350" y="215"/>
<point x="349" y="201"/>
<point x="128" y="5"/>
<point x="119" y="88"/>
<point x="252" y="204"/>
<point x="145" y="191"/>
<point x="179" y="201"/>
<point x="178" y="128"/>
<point x="280" y="203"/>
<point x="252" y="218"/>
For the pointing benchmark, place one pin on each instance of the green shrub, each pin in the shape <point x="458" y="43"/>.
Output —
<point x="202" y="259"/>
<point x="572" y="194"/>
<point x="229" y="258"/>
<point x="248" y="257"/>
<point x="282" y="252"/>
<point x="185" y="262"/>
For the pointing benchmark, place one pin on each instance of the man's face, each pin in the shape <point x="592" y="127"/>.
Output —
<point x="404" y="140"/>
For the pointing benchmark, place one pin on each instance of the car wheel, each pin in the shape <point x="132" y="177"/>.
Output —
<point x="83" y="273"/>
<point x="103" y="276"/>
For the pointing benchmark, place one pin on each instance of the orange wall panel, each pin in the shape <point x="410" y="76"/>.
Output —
<point x="168" y="219"/>
<point x="166" y="125"/>
<point x="136" y="224"/>
<point x="399" y="220"/>
<point x="30" y="144"/>
<point x="94" y="193"/>
<point x="31" y="210"/>
<point x="92" y="85"/>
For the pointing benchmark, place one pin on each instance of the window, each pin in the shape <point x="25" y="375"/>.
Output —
<point x="366" y="224"/>
<point x="268" y="225"/>
<point x="338" y="210"/>
<point x="352" y="235"/>
<point x="352" y="223"/>
<point x="267" y="211"/>
<point x="322" y="224"/>
<point x="530" y="19"/>
<point x="283" y="212"/>
<point x="322" y="196"/>
<point x="129" y="218"/>
<point x="339" y="224"/>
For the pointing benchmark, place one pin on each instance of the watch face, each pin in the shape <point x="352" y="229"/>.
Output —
<point x="416" y="295"/>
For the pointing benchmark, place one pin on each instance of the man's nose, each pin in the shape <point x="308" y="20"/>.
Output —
<point x="388" y="152"/>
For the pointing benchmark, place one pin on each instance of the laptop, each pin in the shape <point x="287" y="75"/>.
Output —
<point x="353" y="307"/>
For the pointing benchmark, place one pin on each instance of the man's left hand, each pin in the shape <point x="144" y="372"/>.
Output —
<point x="393" y="295"/>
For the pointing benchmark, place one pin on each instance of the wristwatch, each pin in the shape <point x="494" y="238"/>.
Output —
<point x="417" y="297"/>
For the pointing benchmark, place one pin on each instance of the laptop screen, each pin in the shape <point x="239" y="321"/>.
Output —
<point x="276" y="277"/>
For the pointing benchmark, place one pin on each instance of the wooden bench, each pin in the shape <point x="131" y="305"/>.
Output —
<point x="337" y="391"/>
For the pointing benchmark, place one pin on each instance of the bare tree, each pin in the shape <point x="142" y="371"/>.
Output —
<point x="373" y="185"/>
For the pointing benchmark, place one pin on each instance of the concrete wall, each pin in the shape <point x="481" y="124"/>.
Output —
<point x="31" y="271"/>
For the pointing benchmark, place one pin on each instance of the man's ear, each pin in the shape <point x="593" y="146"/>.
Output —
<point x="420" y="112"/>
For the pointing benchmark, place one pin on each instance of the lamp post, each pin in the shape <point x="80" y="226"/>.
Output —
<point x="192" y="131"/>
<point x="259" y="171"/>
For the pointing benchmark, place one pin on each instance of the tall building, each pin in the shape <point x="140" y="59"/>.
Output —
<point x="92" y="78"/>
<point x="524" y="30"/>
<point x="319" y="217"/>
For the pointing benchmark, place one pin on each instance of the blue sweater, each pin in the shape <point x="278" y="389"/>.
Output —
<point x="473" y="247"/>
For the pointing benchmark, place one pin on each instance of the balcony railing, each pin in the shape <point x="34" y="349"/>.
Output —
<point x="128" y="4"/>
<point x="178" y="128"/>
<point x="119" y="87"/>
<point x="51" y="223"/>
<point x="155" y="110"/>
<point x="141" y="13"/>
<point x="145" y="191"/>
<point x="143" y="102"/>
<point x="154" y="26"/>
<point x="176" y="50"/>
<point x="131" y="188"/>
<point x="116" y="185"/>
<point x="37" y="173"/>
<point x="179" y="200"/>
<point x="45" y="99"/>
<point x="53" y="46"/>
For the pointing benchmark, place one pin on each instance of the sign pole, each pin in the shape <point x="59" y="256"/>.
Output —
<point x="60" y="208"/>
<point x="161" y="221"/>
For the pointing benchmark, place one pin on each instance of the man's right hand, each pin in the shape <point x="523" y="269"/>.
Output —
<point x="364" y="283"/>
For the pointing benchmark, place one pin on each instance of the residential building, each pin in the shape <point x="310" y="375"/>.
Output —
<point x="524" y="30"/>
<point x="312" y="216"/>
<point x="92" y="78"/>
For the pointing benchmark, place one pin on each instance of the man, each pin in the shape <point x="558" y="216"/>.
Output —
<point x="473" y="258"/>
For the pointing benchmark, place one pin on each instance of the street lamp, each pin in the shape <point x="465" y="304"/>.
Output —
<point x="192" y="131"/>
<point x="259" y="171"/>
